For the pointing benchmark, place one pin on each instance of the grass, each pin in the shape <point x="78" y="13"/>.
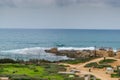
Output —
<point x="96" y="65"/>
<point x="31" y="71"/>
<point x="20" y="69"/>
<point x="101" y="64"/>
<point x="107" y="61"/>
<point x="115" y="76"/>
<point x="92" y="64"/>
<point x="76" y="61"/>
<point x="46" y="71"/>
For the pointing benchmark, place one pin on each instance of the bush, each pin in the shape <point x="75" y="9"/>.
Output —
<point x="20" y="77"/>
<point x="76" y="78"/>
<point x="102" y="66"/>
<point x="76" y="61"/>
<point x="95" y="65"/>
<point x="107" y="61"/>
<point x="7" y="60"/>
<point x="92" y="64"/>
<point x="36" y="70"/>
<point x="115" y="76"/>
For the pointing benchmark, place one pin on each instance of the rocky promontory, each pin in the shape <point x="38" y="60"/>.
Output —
<point x="82" y="53"/>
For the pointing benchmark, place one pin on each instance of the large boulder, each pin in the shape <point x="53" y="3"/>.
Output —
<point x="110" y="52"/>
<point x="52" y="50"/>
<point x="102" y="53"/>
<point x="118" y="54"/>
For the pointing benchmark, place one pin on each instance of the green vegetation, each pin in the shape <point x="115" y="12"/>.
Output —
<point x="96" y="65"/>
<point x="103" y="63"/>
<point x="31" y="71"/>
<point x="92" y="64"/>
<point x="96" y="79"/>
<point x="115" y="76"/>
<point x="6" y="60"/>
<point x="107" y="61"/>
<point x="46" y="71"/>
<point x="116" y="73"/>
<point x="103" y="66"/>
<point x="76" y="61"/>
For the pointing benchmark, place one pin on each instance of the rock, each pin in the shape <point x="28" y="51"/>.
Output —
<point x="82" y="53"/>
<point x="52" y="50"/>
<point x="118" y="50"/>
<point x="110" y="52"/>
<point x="102" y="53"/>
<point x="118" y="55"/>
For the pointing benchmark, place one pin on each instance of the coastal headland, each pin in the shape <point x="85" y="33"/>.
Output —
<point x="101" y="52"/>
<point x="103" y="63"/>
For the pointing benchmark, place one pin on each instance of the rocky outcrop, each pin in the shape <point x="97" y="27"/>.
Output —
<point x="71" y="53"/>
<point x="111" y="53"/>
<point x="52" y="50"/>
<point x="118" y="54"/>
<point x="82" y="53"/>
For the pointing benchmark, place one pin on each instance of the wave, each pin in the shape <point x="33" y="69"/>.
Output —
<point x="34" y="53"/>
<point x="76" y="48"/>
<point x="36" y="50"/>
<point x="81" y="48"/>
<point x="39" y="53"/>
<point x="33" y="50"/>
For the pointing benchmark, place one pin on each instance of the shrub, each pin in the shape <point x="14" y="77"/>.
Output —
<point x="20" y="77"/>
<point x="107" y="61"/>
<point x="103" y="65"/>
<point x="7" y="60"/>
<point x="36" y="70"/>
<point x="96" y="65"/>
<point x="92" y="64"/>
<point x="115" y="76"/>
<point x="77" y="60"/>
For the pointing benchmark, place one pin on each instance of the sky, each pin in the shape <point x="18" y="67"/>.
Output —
<point x="63" y="14"/>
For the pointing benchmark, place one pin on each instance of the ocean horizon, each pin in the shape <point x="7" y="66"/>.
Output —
<point x="22" y="42"/>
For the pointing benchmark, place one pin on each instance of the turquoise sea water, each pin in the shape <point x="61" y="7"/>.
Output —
<point x="34" y="41"/>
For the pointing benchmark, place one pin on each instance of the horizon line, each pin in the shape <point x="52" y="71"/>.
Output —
<point x="66" y="28"/>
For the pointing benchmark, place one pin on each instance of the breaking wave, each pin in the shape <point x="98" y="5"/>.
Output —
<point x="39" y="53"/>
<point x="76" y="48"/>
<point x="34" y="53"/>
<point x="40" y="50"/>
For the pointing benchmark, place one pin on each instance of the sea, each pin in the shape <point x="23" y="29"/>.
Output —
<point x="30" y="43"/>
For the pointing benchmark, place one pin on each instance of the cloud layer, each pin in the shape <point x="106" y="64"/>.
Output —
<point x="39" y="3"/>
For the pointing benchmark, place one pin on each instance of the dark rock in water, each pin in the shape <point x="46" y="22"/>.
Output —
<point x="52" y="50"/>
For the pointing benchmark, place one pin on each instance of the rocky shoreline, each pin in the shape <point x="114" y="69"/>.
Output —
<point x="101" y="52"/>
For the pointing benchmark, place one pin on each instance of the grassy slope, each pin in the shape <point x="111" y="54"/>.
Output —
<point x="29" y="70"/>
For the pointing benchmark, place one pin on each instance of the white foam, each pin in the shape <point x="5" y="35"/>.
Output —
<point x="26" y="50"/>
<point x="39" y="52"/>
<point x="36" y="52"/>
<point x="76" y="48"/>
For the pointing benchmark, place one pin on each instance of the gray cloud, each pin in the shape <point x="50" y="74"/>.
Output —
<point x="115" y="3"/>
<point x="8" y="3"/>
<point x="89" y="2"/>
<point x="39" y="3"/>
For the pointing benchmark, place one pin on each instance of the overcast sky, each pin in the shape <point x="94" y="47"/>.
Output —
<point x="78" y="14"/>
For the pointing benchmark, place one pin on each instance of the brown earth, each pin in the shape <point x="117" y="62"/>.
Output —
<point x="99" y="73"/>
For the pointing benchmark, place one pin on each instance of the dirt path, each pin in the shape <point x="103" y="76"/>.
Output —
<point x="99" y="73"/>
